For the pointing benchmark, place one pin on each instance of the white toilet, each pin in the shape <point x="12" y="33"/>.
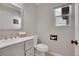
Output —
<point x="40" y="48"/>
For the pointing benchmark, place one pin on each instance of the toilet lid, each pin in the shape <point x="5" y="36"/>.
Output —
<point x="42" y="47"/>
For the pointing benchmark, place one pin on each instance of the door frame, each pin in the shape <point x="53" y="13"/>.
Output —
<point x="76" y="28"/>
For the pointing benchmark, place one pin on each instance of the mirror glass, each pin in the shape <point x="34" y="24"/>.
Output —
<point x="10" y="16"/>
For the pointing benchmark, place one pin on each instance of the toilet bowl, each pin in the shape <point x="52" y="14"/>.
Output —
<point x="40" y="48"/>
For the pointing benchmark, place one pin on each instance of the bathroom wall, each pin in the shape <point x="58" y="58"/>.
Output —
<point x="29" y="18"/>
<point x="46" y="26"/>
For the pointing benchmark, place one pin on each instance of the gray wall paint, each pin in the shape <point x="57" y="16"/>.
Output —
<point x="46" y="26"/>
<point x="29" y="22"/>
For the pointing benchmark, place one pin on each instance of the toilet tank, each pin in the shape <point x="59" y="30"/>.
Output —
<point x="35" y="39"/>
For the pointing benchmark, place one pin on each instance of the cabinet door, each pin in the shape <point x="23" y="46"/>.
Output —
<point x="30" y="52"/>
<point x="14" y="50"/>
<point x="28" y="44"/>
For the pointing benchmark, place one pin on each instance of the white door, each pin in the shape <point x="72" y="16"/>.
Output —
<point x="77" y="28"/>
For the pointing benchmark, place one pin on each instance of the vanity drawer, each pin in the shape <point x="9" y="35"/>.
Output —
<point x="30" y="52"/>
<point x="28" y="44"/>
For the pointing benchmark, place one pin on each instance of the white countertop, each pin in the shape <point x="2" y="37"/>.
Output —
<point x="8" y="42"/>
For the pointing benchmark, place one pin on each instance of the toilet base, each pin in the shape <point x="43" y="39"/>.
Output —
<point x="38" y="53"/>
<point x="40" y="49"/>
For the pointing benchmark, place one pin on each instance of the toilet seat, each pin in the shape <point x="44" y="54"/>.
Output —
<point x="41" y="47"/>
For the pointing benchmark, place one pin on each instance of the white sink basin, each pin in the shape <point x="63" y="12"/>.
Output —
<point x="7" y="42"/>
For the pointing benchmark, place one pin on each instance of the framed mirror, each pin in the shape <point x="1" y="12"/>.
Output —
<point x="10" y="16"/>
<point x="62" y="15"/>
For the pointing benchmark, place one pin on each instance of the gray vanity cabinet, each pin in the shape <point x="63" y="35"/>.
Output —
<point x="29" y="48"/>
<point x="25" y="48"/>
<point x="13" y="50"/>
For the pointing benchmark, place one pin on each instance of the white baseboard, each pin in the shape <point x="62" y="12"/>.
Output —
<point x="55" y="54"/>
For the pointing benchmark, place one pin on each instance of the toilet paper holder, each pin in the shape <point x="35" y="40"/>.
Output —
<point x="53" y="37"/>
